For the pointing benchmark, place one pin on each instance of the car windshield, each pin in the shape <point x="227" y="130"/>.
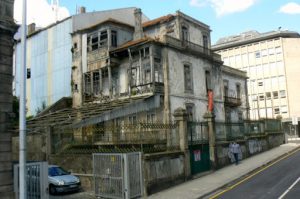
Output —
<point x="57" y="171"/>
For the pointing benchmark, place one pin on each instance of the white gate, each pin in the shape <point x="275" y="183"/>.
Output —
<point x="36" y="179"/>
<point x="118" y="175"/>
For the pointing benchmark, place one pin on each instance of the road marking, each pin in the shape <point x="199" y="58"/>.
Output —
<point x="289" y="188"/>
<point x="248" y="177"/>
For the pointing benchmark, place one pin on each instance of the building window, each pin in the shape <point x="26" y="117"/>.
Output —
<point x="97" y="40"/>
<point x="190" y="111"/>
<point x="257" y="54"/>
<point x="96" y="81"/>
<point x="278" y="50"/>
<point x="260" y="83"/>
<point x="114" y="40"/>
<point x="188" y="81"/>
<point x="264" y="53"/>
<point x="28" y="73"/>
<point x="275" y="94"/>
<point x="132" y="119"/>
<point x="238" y="91"/>
<point x="282" y="94"/>
<point x="205" y="41"/>
<point x="276" y="110"/>
<point x="271" y="51"/>
<point x="87" y="83"/>
<point x="284" y="109"/>
<point x="208" y="81"/>
<point x="151" y="118"/>
<point x="225" y="82"/>
<point x="184" y="33"/>
<point x="268" y="95"/>
<point x="261" y="97"/>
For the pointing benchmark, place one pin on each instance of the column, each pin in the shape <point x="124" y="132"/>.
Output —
<point x="209" y="117"/>
<point x="180" y="116"/>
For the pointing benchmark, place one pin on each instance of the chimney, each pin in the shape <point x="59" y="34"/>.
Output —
<point x="138" y="29"/>
<point x="31" y="28"/>
<point x="81" y="9"/>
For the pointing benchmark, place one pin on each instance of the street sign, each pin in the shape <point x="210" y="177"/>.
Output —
<point x="294" y="120"/>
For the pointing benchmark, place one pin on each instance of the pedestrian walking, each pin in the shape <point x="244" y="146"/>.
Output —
<point x="236" y="150"/>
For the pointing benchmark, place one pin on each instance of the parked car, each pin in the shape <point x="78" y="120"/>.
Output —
<point x="61" y="181"/>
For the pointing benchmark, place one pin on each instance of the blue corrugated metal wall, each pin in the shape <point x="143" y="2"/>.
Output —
<point x="50" y="60"/>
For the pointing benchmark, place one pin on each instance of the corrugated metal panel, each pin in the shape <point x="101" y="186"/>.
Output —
<point x="50" y="63"/>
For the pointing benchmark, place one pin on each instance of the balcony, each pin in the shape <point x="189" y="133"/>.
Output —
<point x="191" y="47"/>
<point x="232" y="101"/>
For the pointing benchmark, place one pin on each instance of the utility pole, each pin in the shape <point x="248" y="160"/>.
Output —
<point x="22" y="123"/>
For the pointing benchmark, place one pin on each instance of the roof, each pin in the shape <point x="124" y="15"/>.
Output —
<point x="162" y="19"/>
<point x="69" y="116"/>
<point x="109" y="20"/>
<point x="135" y="42"/>
<point x="251" y="37"/>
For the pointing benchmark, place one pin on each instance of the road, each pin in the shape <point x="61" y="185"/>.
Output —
<point x="280" y="180"/>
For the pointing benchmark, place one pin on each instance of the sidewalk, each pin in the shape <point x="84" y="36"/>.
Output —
<point x="206" y="184"/>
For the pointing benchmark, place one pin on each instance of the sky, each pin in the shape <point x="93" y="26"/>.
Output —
<point x="225" y="17"/>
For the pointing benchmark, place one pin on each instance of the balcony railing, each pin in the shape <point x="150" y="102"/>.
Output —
<point x="232" y="101"/>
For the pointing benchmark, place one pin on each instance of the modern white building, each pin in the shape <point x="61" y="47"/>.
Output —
<point x="271" y="61"/>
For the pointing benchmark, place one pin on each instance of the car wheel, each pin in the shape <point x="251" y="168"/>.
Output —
<point x="52" y="189"/>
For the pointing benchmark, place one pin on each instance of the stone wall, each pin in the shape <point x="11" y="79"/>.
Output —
<point x="162" y="170"/>
<point x="7" y="30"/>
<point x="249" y="147"/>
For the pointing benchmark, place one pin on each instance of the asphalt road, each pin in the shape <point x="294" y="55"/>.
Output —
<point x="281" y="180"/>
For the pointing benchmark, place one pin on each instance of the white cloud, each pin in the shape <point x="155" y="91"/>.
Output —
<point x="290" y="8"/>
<point x="39" y="12"/>
<point x="223" y="7"/>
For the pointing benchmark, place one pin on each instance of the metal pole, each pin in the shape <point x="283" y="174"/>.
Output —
<point x="22" y="122"/>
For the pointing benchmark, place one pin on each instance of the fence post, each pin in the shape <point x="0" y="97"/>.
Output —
<point x="180" y="116"/>
<point x="210" y="117"/>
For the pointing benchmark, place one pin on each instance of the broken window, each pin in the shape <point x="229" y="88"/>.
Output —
<point x="87" y="83"/>
<point x="158" y="70"/>
<point x="96" y="83"/>
<point x="114" y="38"/>
<point x="97" y="40"/>
<point x="133" y="77"/>
<point x="188" y="85"/>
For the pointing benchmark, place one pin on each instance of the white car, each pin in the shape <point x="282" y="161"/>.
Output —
<point x="61" y="180"/>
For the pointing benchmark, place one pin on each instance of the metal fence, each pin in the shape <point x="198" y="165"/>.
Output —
<point x="197" y="132"/>
<point x="146" y="137"/>
<point x="117" y="175"/>
<point x="36" y="179"/>
<point x="232" y="131"/>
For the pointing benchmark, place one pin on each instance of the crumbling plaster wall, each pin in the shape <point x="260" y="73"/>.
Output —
<point x="178" y="97"/>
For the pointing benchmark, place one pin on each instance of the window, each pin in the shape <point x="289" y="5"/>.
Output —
<point x="264" y="52"/>
<point x="205" y="41"/>
<point x="276" y="110"/>
<point x="261" y="97"/>
<point x="133" y="77"/>
<point x="225" y="82"/>
<point x="151" y="117"/>
<point x="87" y="83"/>
<point x="184" y="33"/>
<point x="97" y="40"/>
<point x="254" y="98"/>
<point x="238" y="91"/>
<point x="188" y="86"/>
<point x="114" y="41"/>
<point x="190" y="111"/>
<point x="257" y="54"/>
<point x="260" y="83"/>
<point x="275" y="94"/>
<point x="284" y="109"/>
<point x="268" y="95"/>
<point x="96" y="80"/>
<point x="208" y="81"/>
<point x="278" y="50"/>
<point x="28" y="73"/>
<point x="271" y="51"/>
<point x="132" y="119"/>
<point x="282" y="94"/>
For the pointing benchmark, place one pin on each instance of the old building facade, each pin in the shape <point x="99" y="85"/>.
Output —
<point x="7" y="30"/>
<point x="271" y="61"/>
<point x="168" y="58"/>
